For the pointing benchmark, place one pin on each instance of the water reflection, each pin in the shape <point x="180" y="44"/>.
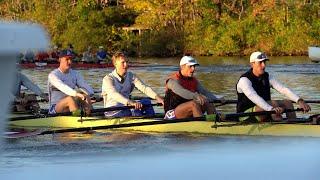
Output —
<point x="158" y="156"/>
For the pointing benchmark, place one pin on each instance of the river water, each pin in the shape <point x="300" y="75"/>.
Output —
<point x="127" y="155"/>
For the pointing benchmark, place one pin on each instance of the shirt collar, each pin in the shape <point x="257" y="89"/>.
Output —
<point x="116" y="75"/>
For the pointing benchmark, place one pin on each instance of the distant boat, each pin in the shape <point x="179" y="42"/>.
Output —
<point x="75" y="65"/>
<point x="314" y="53"/>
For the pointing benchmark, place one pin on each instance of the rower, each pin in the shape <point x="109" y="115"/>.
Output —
<point x="26" y="102"/>
<point x="117" y="87"/>
<point x="185" y="96"/>
<point x="62" y="84"/>
<point x="253" y="90"/>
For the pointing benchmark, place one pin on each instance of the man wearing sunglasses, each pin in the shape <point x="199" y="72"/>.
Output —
<point x="253" y="90"/>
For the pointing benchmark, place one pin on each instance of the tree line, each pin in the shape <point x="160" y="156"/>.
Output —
<point x="174" y="27"/>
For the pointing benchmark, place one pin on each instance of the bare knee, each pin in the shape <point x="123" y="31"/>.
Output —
<point x="70" y="100"/>
<point x="195" y="105"/>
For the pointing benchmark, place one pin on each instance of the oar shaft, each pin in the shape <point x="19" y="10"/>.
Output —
<point x="146" y="123"/>
<point x="312" y="101"/>
<point x="235" y="101"/>
<point x="121" y="108"/>
<point x="94" y="111"/>
<point x="261" y="113"/>
<point x="31" y="101"/>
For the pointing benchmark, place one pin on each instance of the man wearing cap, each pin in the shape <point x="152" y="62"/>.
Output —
<point x="253" y="90"/>
<point x="62" y="83"/>
<point x="185" y="96"/>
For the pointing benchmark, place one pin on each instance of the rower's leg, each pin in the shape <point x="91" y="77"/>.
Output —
<point x="32" y="104"/>
<point x="276" y="117"/>
<point x="188" y="109"/>
<point x="87" y="105"/>
<point x="209" y="108"/>
<point x="67" y="104"/>
<point x="264" y="118"/>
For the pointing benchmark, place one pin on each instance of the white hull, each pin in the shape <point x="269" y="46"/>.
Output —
<point x="41" y="64"/>
<point x="314" y="53"/>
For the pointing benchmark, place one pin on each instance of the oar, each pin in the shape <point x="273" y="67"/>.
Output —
<point x="32" y="101"/>
<point x="215" y="101"/>
<point x="93" y="111"/>
<point x="212" y="117"/>
<point x="231" y="117"/>
<point x="260" y="113"/>
<point x="312" y="101"/>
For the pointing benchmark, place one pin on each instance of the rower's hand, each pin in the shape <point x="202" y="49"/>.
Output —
<point x="96" y="98"/>
<point x="81" y="96"/>
<point x="137" y="105"/>
<point x="278" y="110"/>
<point x="45" y="97"/>
<point x="22" y="101"/>
<point x="201" y="99"/>
<point x="304" y="106"/>
<point x="222" y="100"/>
<point x="160" y="100"/>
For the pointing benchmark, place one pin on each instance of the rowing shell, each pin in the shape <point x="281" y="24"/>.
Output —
<point x="145" y="125"/>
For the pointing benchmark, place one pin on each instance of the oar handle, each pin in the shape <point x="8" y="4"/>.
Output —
<point x="121" y="108"/>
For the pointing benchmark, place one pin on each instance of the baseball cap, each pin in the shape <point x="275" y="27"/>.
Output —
<point x="258" y="56"/>
<point x="188" y="60"/>
<point x="64" y="53"/>
<point x="100" y="47"/>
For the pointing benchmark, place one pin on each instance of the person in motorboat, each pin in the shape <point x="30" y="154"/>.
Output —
<point x="62" y="85"/>
<point x="254" y="92"/>
<point x="117" y="87"/>
<point x="185" y="96"/>
<point x="54" y="55"/>
<point x="70" y="51"/>
<point x="23" y="102"/>
<point x="87" y="56"/>
<point x="28" y="56"/>
<point x="102" y="55"/>
<point x="42" y="56"/>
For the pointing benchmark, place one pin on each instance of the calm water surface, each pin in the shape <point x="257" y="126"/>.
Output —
<point x="124" y="155"/>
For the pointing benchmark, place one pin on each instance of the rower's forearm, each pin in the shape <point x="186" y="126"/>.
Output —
<point x="144" y="88"/>
<point x="179" y="90"/>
